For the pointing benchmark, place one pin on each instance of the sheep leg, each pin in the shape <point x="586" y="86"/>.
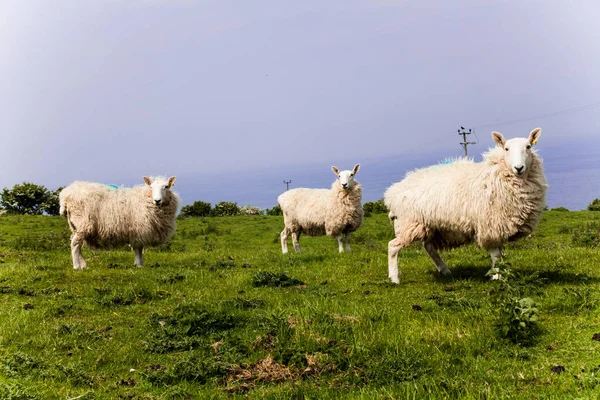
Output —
<point x="394" y="247"/>
<point x="139" y="256"/>
<point x="437" y="260"/>
<point x="495" y="254"/>
<point x="76" y="255"/>
<point x="296" y="241"/>
<point x="348" y="242"/>
<point x="340" y="242"/>
<point x="284" y="237"/>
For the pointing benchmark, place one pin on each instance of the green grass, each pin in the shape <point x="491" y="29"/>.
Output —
<point x="219" y="312"/>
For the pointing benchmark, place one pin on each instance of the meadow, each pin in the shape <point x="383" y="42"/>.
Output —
<point x="219" y="312"/>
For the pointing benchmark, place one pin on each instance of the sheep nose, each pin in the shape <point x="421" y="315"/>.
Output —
<point x="157" y="202"/>
<point x="519" y="169"/>
<point x="344" y="185"/>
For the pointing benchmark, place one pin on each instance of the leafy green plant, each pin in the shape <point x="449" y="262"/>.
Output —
<point x="594" y="205"/>
<point x="197" y="209"/>
<point x="518" y="318"/>
<point x="517" y="315"/>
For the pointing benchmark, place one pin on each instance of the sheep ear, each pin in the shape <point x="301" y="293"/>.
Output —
<point x="498" y="138"/>
<point x="534" y="135"/>
<point x="335" y="170"/>
<point x="171" y="181"/>
<point x="147" y="180"/>
<point x="355" y="169"/>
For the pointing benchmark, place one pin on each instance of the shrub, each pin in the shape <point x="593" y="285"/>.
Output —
<point x="374" y="207"/>
<point x="594" y="205"/>
<point x="274" y="211"/>
<point x="250" y="210"/>
<point x="561" y="209"/>
<point x="225" y="208"/>
<point x="29" y="198"/>
<point x="198" y="209"/>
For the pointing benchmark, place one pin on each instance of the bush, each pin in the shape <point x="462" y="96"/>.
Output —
<point x="374" y="207"/>
<point x="561" y="209"/>
<point x="250" y="210"/>
<point x="225" y="208"/>
<point x="594" y="205"/>
<point x="51" y="205"/>
<point x="274" y="211"/>
<point x="198" y="209"/>
<point x="29" y="198"/>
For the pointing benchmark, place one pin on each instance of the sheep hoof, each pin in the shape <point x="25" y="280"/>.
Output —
<point x="446" y="272"/>
<point x="395" y="280"/>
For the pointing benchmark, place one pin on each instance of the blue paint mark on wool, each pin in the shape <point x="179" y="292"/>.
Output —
<point x="447" y="161"/>
<point x="113" y="186"/>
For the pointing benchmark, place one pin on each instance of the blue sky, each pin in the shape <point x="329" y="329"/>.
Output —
<point x="231" y="94"/>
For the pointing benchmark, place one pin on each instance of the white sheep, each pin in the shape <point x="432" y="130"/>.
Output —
<point x="335" y="212"/>
<point x="497" y="200"/>
<point x="105" y="217"/>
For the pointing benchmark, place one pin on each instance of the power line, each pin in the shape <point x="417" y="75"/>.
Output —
<point x="287" y="184"/>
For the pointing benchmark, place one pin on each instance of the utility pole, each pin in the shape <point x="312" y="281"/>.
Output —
<point x="464" y="143"/>
<point x="287" y="184"/>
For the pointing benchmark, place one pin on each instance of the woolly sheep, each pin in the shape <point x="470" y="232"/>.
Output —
<point x="104" y="217"/>
<point x="497" y="200"/>
<point x="335" y="212"/>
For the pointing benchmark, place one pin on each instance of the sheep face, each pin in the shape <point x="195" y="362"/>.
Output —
<point x="346" y="178"/>
<point x="160" y="188"/>
<point x="517" y="151"/>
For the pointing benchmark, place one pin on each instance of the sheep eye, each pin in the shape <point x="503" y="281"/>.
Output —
<point x="351" y="174"/>
<point x="166" y="187"/>
<point x="528" y="147"/>
<point x="506" y="148"/>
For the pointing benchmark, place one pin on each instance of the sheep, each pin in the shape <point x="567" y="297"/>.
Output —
<point x="335" y="212"/>
<point x="104" y="217"/>
<point x="491" y="202"/>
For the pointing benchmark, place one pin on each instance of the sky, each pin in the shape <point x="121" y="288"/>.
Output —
<point x="234" y="97"/>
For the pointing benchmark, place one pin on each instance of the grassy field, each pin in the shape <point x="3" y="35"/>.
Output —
<point x="219" y="312"/>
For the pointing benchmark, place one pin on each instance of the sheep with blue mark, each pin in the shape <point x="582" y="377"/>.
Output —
<point x="105" y="217"/>
<point x="490" y="203"/>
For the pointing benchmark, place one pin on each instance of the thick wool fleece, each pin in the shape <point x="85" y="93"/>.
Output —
<point x="317" y="212"/>
<point x="449" y="205"/>
<point x="108" y="217"/>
